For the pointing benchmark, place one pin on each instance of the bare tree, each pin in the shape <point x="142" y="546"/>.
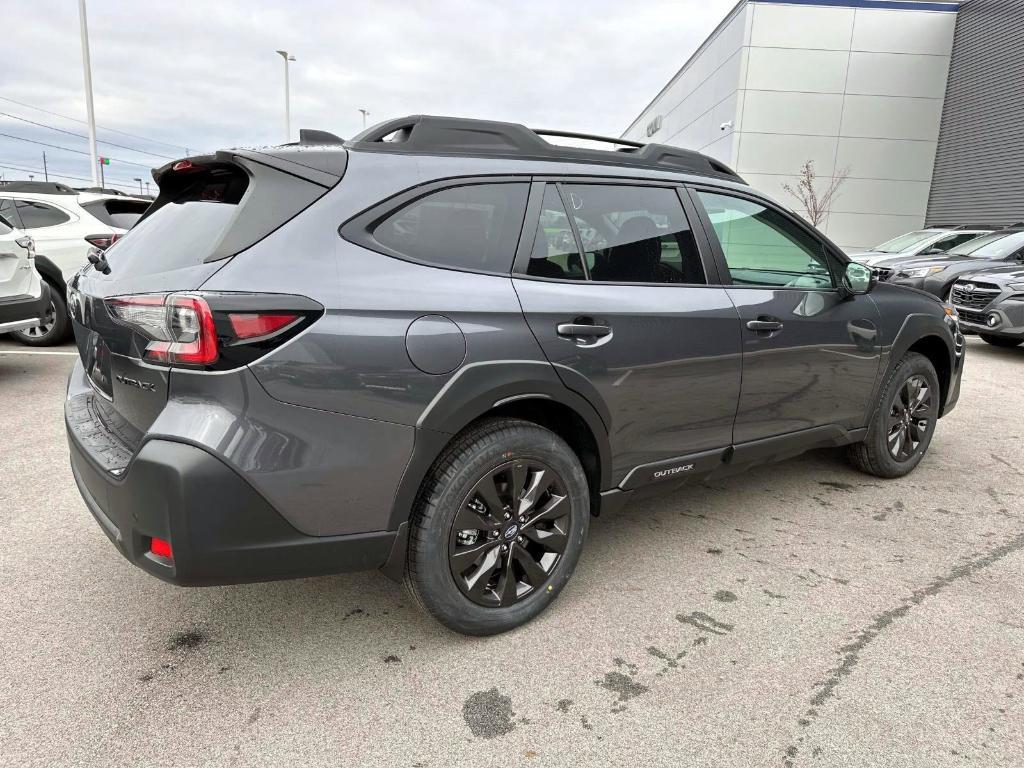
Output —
<point x="816" y="202"/>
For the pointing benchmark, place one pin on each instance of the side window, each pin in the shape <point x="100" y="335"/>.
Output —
<point x="763" y="248"/>
<point x="950" y="241"/>
<point x="554" y="249"/>
<point x="37" y="215"/>
<point x="5" y="228"/>
<point x="10" y="214"/>
<point x="474" y="226"/>
<point x="635" y="234"/>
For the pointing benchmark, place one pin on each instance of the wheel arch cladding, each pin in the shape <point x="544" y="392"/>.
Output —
<point x="938" y="354"/>
<point x="524" y="389"/>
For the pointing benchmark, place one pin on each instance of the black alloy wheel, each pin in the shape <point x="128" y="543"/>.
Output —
<point x="510" y="533"/>
<point x="911" y="416"/>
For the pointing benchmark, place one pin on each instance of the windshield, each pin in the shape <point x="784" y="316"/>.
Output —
<point x="994" y="246"/>
<point x="903" y="242"/>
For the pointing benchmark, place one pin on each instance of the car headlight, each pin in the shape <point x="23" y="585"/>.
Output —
<point x="920" y="272"/>
<point x="1018" y="287"/>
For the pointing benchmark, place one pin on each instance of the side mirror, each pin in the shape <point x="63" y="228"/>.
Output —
<point x="858" y="279"/>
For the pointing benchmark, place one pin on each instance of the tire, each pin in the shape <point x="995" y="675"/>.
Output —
<point x="56" y="328"/>
<point x="447" y="563"/>
<point x="875" y="455"/>
<point x="1000" y="341"/>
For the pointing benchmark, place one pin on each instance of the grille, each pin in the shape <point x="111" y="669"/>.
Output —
<point x="881" y="273"/>
<point x="978" y="298"/>
<point x="974" y="318"/>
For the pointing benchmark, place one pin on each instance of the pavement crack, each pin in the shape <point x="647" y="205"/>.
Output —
<point x="850" y="653"/>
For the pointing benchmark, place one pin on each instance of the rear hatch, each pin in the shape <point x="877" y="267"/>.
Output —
<point x="137" y="310"/>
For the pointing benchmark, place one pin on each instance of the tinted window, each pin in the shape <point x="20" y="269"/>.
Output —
<point x="475" y="226"/>
<point x="5" y="228"/>
<point x="10" y="214"/>
<point x="37" y="215"/>
<point x="554" y="250"/>
<point x="944" y="244"/>
<point x="763" y="247"/>
<point x="117" y="213"/>
<point x="635" y="234"/>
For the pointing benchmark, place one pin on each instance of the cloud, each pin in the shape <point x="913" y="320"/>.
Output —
<point x="204" y="75"/>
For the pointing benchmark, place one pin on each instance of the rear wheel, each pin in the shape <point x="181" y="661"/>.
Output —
<point x="1000" y="341"/>
<point x="904" y="421"/>
<point x="498" y="528"/>
<point x="55" y="327"/>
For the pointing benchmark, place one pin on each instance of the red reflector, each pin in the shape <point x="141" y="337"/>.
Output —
<point x="160" y="548"/>
<point x="252" y="325"/>
<point x="102" y="241"/>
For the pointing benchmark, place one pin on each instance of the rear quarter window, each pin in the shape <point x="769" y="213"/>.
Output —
<point x="470" y="227"/>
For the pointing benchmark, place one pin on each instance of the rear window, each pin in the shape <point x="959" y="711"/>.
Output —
<point x="474" y="226"/>
<point x="117" y="213"/>
<point x="184" y="229"/>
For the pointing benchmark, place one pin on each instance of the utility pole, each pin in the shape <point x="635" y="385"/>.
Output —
<point x="87" y="68"/>
<point x="365" y="115"/>
<point x="46" y="174"/>
<point x="287" y="97"/>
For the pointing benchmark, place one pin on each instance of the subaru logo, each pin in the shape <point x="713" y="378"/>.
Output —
<point x="511" y="531"/>
<point x="969" y="287"/>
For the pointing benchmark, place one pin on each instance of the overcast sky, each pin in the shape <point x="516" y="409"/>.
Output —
<point x="204" y="75"/>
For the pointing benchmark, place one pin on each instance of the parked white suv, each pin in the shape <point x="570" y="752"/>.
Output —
<point x="65" y="224"/>
<point x="24" y="297"/>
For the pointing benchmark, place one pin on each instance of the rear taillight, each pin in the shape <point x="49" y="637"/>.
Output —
<point x="102" y="241"/>
<point x="212" y="330"/>
<point x="179" y="327"/>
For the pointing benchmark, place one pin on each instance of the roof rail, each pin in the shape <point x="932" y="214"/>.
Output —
<point x="38" y="187"/>
<point x="957" y="227"/>
<point x="430" y="135"/>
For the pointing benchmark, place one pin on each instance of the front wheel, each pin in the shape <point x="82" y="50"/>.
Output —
<point x="55" y="327"/>
<point x="1000" y="341"/>
<point x="903" y="424"/>
<point x="498" y="527"/>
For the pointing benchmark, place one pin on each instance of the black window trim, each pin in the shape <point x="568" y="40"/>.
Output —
<point x="358" y="229"/>
<point x="708" y="262"/>
<point x="834" y="257"/>
<point x="14" y="217"/>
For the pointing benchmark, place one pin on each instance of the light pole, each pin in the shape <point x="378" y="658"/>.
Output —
<point x="287" y="96"/>
<point x="366" y="114"/>
<point x="140" y="184"/>
<point x="87" y="67"/>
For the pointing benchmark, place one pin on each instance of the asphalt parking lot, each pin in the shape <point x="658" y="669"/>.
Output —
<point x="801" y="614"/>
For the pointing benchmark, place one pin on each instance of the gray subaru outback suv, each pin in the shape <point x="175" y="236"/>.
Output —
<point x="439" y="348"/>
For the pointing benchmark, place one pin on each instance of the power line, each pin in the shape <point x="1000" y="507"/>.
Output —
<point x="69" y="149"/>
<point x="68" y="176"/>
<point x="80" y="136"/>
<point x="83" y="122"/>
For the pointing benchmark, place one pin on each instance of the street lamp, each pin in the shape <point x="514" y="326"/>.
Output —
<point x="287" y="97"/>
<point x="365" y="115"/>
<point x="140" y="184"/>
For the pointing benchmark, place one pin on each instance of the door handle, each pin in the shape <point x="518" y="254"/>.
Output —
<point x="764" y="324"/>
<point x="583" y="330"/>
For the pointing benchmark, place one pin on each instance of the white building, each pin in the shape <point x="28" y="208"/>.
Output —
<point x="855" y="84"/>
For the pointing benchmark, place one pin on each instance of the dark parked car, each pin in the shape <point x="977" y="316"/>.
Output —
<point x="991" y="304"/>
<point x="936" y="274"/>
<point x="441" y="347"/>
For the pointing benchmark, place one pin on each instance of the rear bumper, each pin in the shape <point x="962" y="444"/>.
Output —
<point x="19" y="312"/>
<point x="221" y="531"/>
